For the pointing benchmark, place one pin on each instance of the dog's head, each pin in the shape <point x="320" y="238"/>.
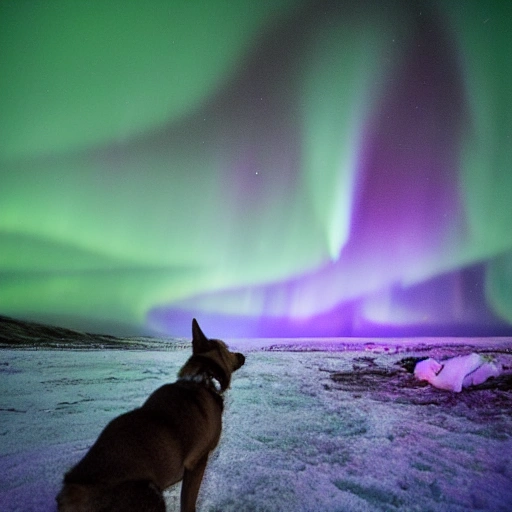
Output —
<point x="211" y="356"/>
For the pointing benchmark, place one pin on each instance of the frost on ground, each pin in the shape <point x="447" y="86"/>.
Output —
<point x="303" y="431"/>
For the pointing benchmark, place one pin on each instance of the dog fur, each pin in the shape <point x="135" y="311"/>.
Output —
<point x="168" y="439"/>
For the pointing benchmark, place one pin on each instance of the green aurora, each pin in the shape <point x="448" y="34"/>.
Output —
<point x="274" y="159"/>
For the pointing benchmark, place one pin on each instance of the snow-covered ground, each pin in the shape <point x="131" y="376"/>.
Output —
<point x="303" y="431"/>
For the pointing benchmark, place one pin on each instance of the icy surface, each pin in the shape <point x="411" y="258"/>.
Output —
<point x="303" y="431"/>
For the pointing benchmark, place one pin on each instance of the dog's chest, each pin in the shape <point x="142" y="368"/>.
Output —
<point x="188" y="406"/>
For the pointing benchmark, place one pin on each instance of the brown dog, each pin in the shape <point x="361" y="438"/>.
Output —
<point x="169" y="438"/>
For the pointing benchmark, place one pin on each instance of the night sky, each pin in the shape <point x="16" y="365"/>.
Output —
<point x="270" y="167"/>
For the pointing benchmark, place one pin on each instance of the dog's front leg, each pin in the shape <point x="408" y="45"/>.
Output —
<point x="190" y="487"/>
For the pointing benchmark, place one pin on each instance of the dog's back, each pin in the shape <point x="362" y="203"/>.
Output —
<point x="169" y="438"/>
<point x="144" y="451"/>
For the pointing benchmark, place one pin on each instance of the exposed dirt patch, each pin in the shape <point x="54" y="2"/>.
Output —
<point x="395" y="382"/>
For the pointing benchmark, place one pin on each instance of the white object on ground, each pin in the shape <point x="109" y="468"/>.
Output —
<point x="458" y="372"/>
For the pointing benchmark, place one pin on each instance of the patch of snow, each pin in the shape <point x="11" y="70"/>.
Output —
<point x="457" y="372"/>
<point x="293" y="438"/>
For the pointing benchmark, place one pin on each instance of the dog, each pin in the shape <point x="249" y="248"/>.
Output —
<point x="167" y="439"/>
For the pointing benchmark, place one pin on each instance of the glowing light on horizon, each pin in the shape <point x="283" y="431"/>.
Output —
<point x="285" y="168"/>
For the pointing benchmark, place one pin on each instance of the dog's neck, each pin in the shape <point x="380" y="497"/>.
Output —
<point x="204" y="379"/>
<point x="202" y="370"/>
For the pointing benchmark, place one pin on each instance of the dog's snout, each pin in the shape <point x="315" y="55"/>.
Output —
<point x="241" y="359"/>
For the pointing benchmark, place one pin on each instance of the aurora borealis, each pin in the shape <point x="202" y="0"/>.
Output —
<point x="273" y="168"/>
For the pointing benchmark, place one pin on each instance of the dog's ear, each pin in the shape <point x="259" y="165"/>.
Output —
<point x="200" y="343"/>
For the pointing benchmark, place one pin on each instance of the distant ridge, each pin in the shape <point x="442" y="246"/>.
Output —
<point x="16" y="333"/>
